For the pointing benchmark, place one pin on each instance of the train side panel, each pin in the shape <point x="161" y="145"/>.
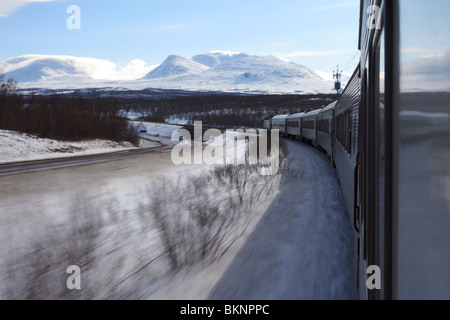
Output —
<point x="346" y="139"/>
<point x="325" y="129"/>
<point x="309" y="128"/>
<point x="279" y="123"/>
<point x="294" y="125"/>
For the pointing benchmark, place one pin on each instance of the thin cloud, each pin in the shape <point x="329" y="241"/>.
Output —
<point x="9" y="6"/>
<point x="100" y="69"/>
<point x="415" y="50"/>
<point x="314" y="53"/>
<point x="348" y="4"/>
<point x="166" y="28"/>
<point x="430" y="73"/>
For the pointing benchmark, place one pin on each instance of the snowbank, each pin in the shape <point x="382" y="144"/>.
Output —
<point x="156" y="129"/>
<point x="16" y="146"/>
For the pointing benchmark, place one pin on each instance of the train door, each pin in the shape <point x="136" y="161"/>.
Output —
<point x="359" y="197"/>
<point x="332" y="134"/>
<point x="315" y="142"/>
<point x="370" y="173"/>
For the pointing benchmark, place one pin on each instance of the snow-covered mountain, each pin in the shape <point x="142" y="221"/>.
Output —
<point x="224" y="71"/>
<point x="214" y="71"/>
<point x="176" y="66"/>
<point x="30" y="68"/>
<point x="263" y="69"/>
<point x="214" y="58"/>
<point x="47" y="69"/>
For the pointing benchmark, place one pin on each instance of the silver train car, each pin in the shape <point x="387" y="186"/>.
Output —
<point x="268" y="124"/>
<point x="388" y="136"/>
<point x="279" y="123"/>
<point x="294" y="125"/>
<point x="309" y="128"/>
<point x="326" y="129"/>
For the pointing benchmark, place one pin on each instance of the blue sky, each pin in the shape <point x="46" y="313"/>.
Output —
<point x="317" y="33"/>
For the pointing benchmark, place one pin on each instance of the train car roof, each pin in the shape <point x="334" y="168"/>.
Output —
<point x="296" y="115"/>
<point x="281" y="116"/>
<point x="312" y="113"/>
<point x="329" y="106"/>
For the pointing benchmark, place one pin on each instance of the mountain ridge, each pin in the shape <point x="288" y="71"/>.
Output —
<point x="213" y="71"/>
<point x="174" y="66"/>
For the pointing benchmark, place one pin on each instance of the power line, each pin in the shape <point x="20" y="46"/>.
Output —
<point x="349" y="62"/>
<point x="349" y="59"/>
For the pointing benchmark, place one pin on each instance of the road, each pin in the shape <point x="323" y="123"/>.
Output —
<point x="40" y="201"/>
<point x="55" y="163"/>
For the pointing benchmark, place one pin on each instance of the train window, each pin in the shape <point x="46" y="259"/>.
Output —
<point x="293" y="124"/>
<point x="382" y="152"/>
<point x="323" y="125"/>
<point x="343" y="129"/>
<point x="421" y="152"/>
<point x="309" y="124"/>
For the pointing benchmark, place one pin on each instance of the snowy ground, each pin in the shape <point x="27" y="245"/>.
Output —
<point x="296" y="245"/>
<point x="300" y="247"/>
<point x="16" y="146"/>
<point x="157" y="129"/>
<point x="303" y="246"/>
<point x="97" y="216"/>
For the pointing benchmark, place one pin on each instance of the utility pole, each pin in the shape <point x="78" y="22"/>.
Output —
<point x="337" y="77"/>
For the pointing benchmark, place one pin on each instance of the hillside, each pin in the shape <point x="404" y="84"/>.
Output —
<point x="214" y="71"/>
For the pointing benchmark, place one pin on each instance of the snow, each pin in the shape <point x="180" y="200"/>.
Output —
<point x="175" y="66"/>
<point x="214" y="71"/>
<point x="37" y="206"/>
<point x="224" y="53"/>
<point x="173" y="119"/>
<point x="242" y="73"/>
<point x="298" y="245"/>
<point x="16" y="147"/>
<point x="113" y="193"/>
<point x="302" y="248"/>
<point x="132" y="115"/>
<point x="214" y="58"/>
<point x="53" y="68"/>
<point x="157" y="129"/>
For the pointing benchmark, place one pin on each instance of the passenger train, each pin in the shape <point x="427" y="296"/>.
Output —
<point x="388" y="135"/>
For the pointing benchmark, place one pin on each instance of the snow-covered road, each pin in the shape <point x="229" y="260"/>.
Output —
<point x="302" y="247"/>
